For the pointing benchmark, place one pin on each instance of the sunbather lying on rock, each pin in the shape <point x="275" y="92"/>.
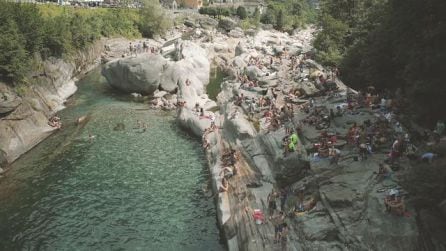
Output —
<point x="395" y="203"/>
<point x="55" y="122"/>
<point x="228" y="171"/>
<point x="224" y="185"/>
<point x="384" y="171"/>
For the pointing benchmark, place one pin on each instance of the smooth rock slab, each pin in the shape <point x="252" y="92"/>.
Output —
<point x="319" y="227"/>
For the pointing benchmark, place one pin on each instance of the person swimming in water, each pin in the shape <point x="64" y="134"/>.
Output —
<point x="91" y="137"/>
<point x="144" y="127"/>
<point x="138" y="125"/>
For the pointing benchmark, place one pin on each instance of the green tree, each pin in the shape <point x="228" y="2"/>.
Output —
<point x="58" y="36"/>
<point x="29" y="22"/>
<point x="268" y="17"/>
<point x="280" y="20"/>
<point x="153" y="19"/>
<point x="14" y="61"/>
<point x="241" y="12"/>
<point x="392" y="45"/>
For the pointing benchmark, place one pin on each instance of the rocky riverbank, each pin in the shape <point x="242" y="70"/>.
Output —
<point x="24" y="112"/>
<point x="348" y="210"/>
<point x="332" y="202"/>
<point x="343" y="204"/>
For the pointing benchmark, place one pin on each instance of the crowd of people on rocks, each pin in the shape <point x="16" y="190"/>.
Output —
<point x="141" y="47"/>
<point x="275" y="108"/>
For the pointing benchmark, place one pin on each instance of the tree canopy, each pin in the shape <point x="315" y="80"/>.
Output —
<point x="29" y="30"/>
<point x="390" y="44"/>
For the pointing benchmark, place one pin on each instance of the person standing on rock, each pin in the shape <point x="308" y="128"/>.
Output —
<point x="139" y="47"/>
<point x="135" y="50"/>
<point x="278" y="222"/>
<point x="145" y="47"/>
<point x="284" y="236"/>
<point x="271" y="200"/>
<point x="283" y="198"/>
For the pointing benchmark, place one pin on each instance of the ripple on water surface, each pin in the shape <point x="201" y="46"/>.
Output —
<point x="127" y="189"/>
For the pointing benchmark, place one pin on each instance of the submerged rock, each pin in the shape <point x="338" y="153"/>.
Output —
<point x="119" y="127"/>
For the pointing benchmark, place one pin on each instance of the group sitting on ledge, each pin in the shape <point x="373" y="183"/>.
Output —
<point x="55" y="122"/>
<point x="229" y="168"/>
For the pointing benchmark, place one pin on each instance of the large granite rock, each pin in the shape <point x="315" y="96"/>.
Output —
<point x="9" y="101"/>
<point x="291" y="169"/>
<point x="236" y="33"/>
<point x="140" y="74"/>
<point x="319" y="228"/>
<point x="240" y="48"/>
<point x="253" y="72"/>
<point x="227" y="24"/>
<point x="239" y="63"/>
<point x="192" y="122"/>
<point x="197" y="59"/>
<point x="208" y="23"/>
<point x="190" y="23"/>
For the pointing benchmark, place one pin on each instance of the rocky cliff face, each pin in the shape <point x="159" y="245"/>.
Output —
<point x="24" y="117"/>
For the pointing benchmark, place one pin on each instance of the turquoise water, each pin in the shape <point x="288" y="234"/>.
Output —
<point x="124" y="190"/>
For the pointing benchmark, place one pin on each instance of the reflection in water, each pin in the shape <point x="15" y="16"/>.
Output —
<point x="125" y="189"/>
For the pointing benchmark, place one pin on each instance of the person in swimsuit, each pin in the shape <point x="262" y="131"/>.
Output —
<point x="224" y="185"/>
<point x="284" y="236"/>
<point x="272" y="206"/>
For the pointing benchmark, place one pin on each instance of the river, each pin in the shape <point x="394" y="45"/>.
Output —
<point x="126" y="189"/>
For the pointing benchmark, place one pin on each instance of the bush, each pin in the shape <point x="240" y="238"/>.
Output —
<point x="241" y="12"/>
<point x="153" y="19"/>
<point x="387" y="44"/>
<point x="216" y="11"/>
<point x="287" y="14"/>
